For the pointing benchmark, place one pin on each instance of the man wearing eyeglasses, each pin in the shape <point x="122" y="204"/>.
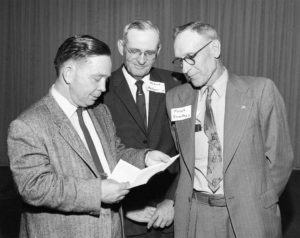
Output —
<point x="233" y="137"/>
<point x="136" y="99"/>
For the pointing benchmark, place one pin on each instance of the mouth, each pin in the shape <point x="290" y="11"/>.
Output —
<point x="191" y="76"/>
<point x="141" y="66"/>
<point x="95" y="97"/>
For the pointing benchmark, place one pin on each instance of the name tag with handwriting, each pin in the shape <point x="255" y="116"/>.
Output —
<point x="156" y="87"/>
<point x="181" y="113"/>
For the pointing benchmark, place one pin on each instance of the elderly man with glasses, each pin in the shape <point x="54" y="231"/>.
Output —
<point x="136" y="99"/>
<point x="233" y="137"/>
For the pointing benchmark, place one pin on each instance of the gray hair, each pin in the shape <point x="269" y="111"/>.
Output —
<point x="201" y="28"/>
<point x="140" y="25"/>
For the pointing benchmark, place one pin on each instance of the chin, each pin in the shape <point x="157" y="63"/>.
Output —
<point x="141" y="71"/>
<point x="196" y="83"/>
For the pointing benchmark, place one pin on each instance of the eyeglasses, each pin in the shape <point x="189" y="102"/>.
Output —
<point x="190" y="59"/>
<point x="135" y="53"/>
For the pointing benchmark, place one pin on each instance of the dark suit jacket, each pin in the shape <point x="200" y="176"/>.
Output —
<point x="257" y="155"/>
<point x="55" y="174"/>
<point x="131" y="130"/>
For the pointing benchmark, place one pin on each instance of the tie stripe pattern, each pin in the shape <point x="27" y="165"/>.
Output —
<point x="90" y="143"/>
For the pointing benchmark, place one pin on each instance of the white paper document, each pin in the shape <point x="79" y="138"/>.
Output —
<point x="125" y="172"/>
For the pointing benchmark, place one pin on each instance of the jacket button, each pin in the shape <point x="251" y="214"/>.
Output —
<point x="145" y="141"/>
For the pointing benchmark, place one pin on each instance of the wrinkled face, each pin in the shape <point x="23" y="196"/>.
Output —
<point x="87" y="79"/>
<point x="202" y="72"/>
<point x="140" y="51"/>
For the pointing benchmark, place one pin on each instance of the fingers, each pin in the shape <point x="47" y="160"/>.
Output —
<point x="155" y="157"/>
<point x="125" y="185"/>
<point x="152" y="220"/>
<point x="112" y="191"/>
<point x="164" y="158"/>
<point x="162" y="217"/>
<point x="151" y="210"/>
<point x="123" y="191"/>
<point x="159" y="222"/>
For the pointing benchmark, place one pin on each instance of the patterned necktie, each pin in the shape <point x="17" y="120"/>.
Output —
<point x="90" y="143"/>
<point x="140" y="100"/>
<point x="215" y="166"/>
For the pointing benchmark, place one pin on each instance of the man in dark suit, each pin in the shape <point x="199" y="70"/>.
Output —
<point x="60" y="154"/>
<point x="144" y="126"/>
<point x="233" y="137"/>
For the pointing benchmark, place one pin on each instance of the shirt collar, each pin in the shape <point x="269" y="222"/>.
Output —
<point x="219" y="85"/>
<point x="68" y="108"/>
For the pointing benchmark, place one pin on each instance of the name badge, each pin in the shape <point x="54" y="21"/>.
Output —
<point x="156" y="87"/>
<point x="181" y="113"/>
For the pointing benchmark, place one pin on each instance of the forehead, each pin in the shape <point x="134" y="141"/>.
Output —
<point x="187" y="42"/>
<point x="95" y="64"/>
<point x="142" y="39"/>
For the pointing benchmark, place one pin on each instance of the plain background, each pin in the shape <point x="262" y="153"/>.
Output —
<point x="259" y="38"/>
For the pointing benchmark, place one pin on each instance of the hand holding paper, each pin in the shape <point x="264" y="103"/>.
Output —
<point x="125" y="172"/>
<point x="154" y="157"/>
<point x="112" y="191"/>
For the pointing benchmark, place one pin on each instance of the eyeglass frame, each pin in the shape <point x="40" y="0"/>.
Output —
<point x="148" y="53"/>
<point x="190" y="59"/>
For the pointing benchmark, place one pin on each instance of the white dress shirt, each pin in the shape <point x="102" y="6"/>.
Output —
<point x="131" y="83"/>
<point x="201" y="141"/>
<point x="70" y="111"/>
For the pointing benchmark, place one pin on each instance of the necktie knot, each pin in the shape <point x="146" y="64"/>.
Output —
<point x="79" y="111"/>
<point x="210" y="90"/>
<point x="139" y="85"/>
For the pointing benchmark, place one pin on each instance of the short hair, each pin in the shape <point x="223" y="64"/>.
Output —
<point x="140" y="25"/>
<point x="79" y="47"/>
<point x="201" y="28"/>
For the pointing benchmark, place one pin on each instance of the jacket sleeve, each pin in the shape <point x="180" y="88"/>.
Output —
<point x="38" y="181"/>
<point x="275" y="131"/>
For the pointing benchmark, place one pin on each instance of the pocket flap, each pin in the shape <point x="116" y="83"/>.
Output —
<point x="269" y="198"/>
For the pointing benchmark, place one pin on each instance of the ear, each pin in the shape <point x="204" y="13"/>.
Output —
<point x="159" y="48"/>
<point x="216" y="48"/>
<point x="67" y="71"/>
<point x="121" y="47"/>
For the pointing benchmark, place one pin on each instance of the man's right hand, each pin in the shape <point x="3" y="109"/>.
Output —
<point x="112" y="191"/>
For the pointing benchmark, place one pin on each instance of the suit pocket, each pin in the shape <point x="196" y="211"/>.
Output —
<point x="270" y="214"/>
<point x="269" y="198"/>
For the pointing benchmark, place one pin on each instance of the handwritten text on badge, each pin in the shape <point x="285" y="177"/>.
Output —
<point x="156" y="87"/>
<point x="181" y="113"/>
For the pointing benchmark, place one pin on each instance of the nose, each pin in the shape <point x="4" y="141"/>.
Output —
<point x="142" y="58"/>
<point x="102" y="85"/>
<point x="185" y="67"/>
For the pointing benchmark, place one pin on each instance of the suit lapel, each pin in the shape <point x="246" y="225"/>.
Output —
<point x="186" y="128"/>
<point x="237" y="110"/>
<point x="99" y="124"/>
<point x="69" y="134"/>
<point x="122" y="91"/>
<point x="155" y="99"/>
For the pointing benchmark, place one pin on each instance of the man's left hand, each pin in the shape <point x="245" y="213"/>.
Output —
<point x="141" y="215"/>
<point x="154" y="157"/>
<point x="163" y="215"/>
